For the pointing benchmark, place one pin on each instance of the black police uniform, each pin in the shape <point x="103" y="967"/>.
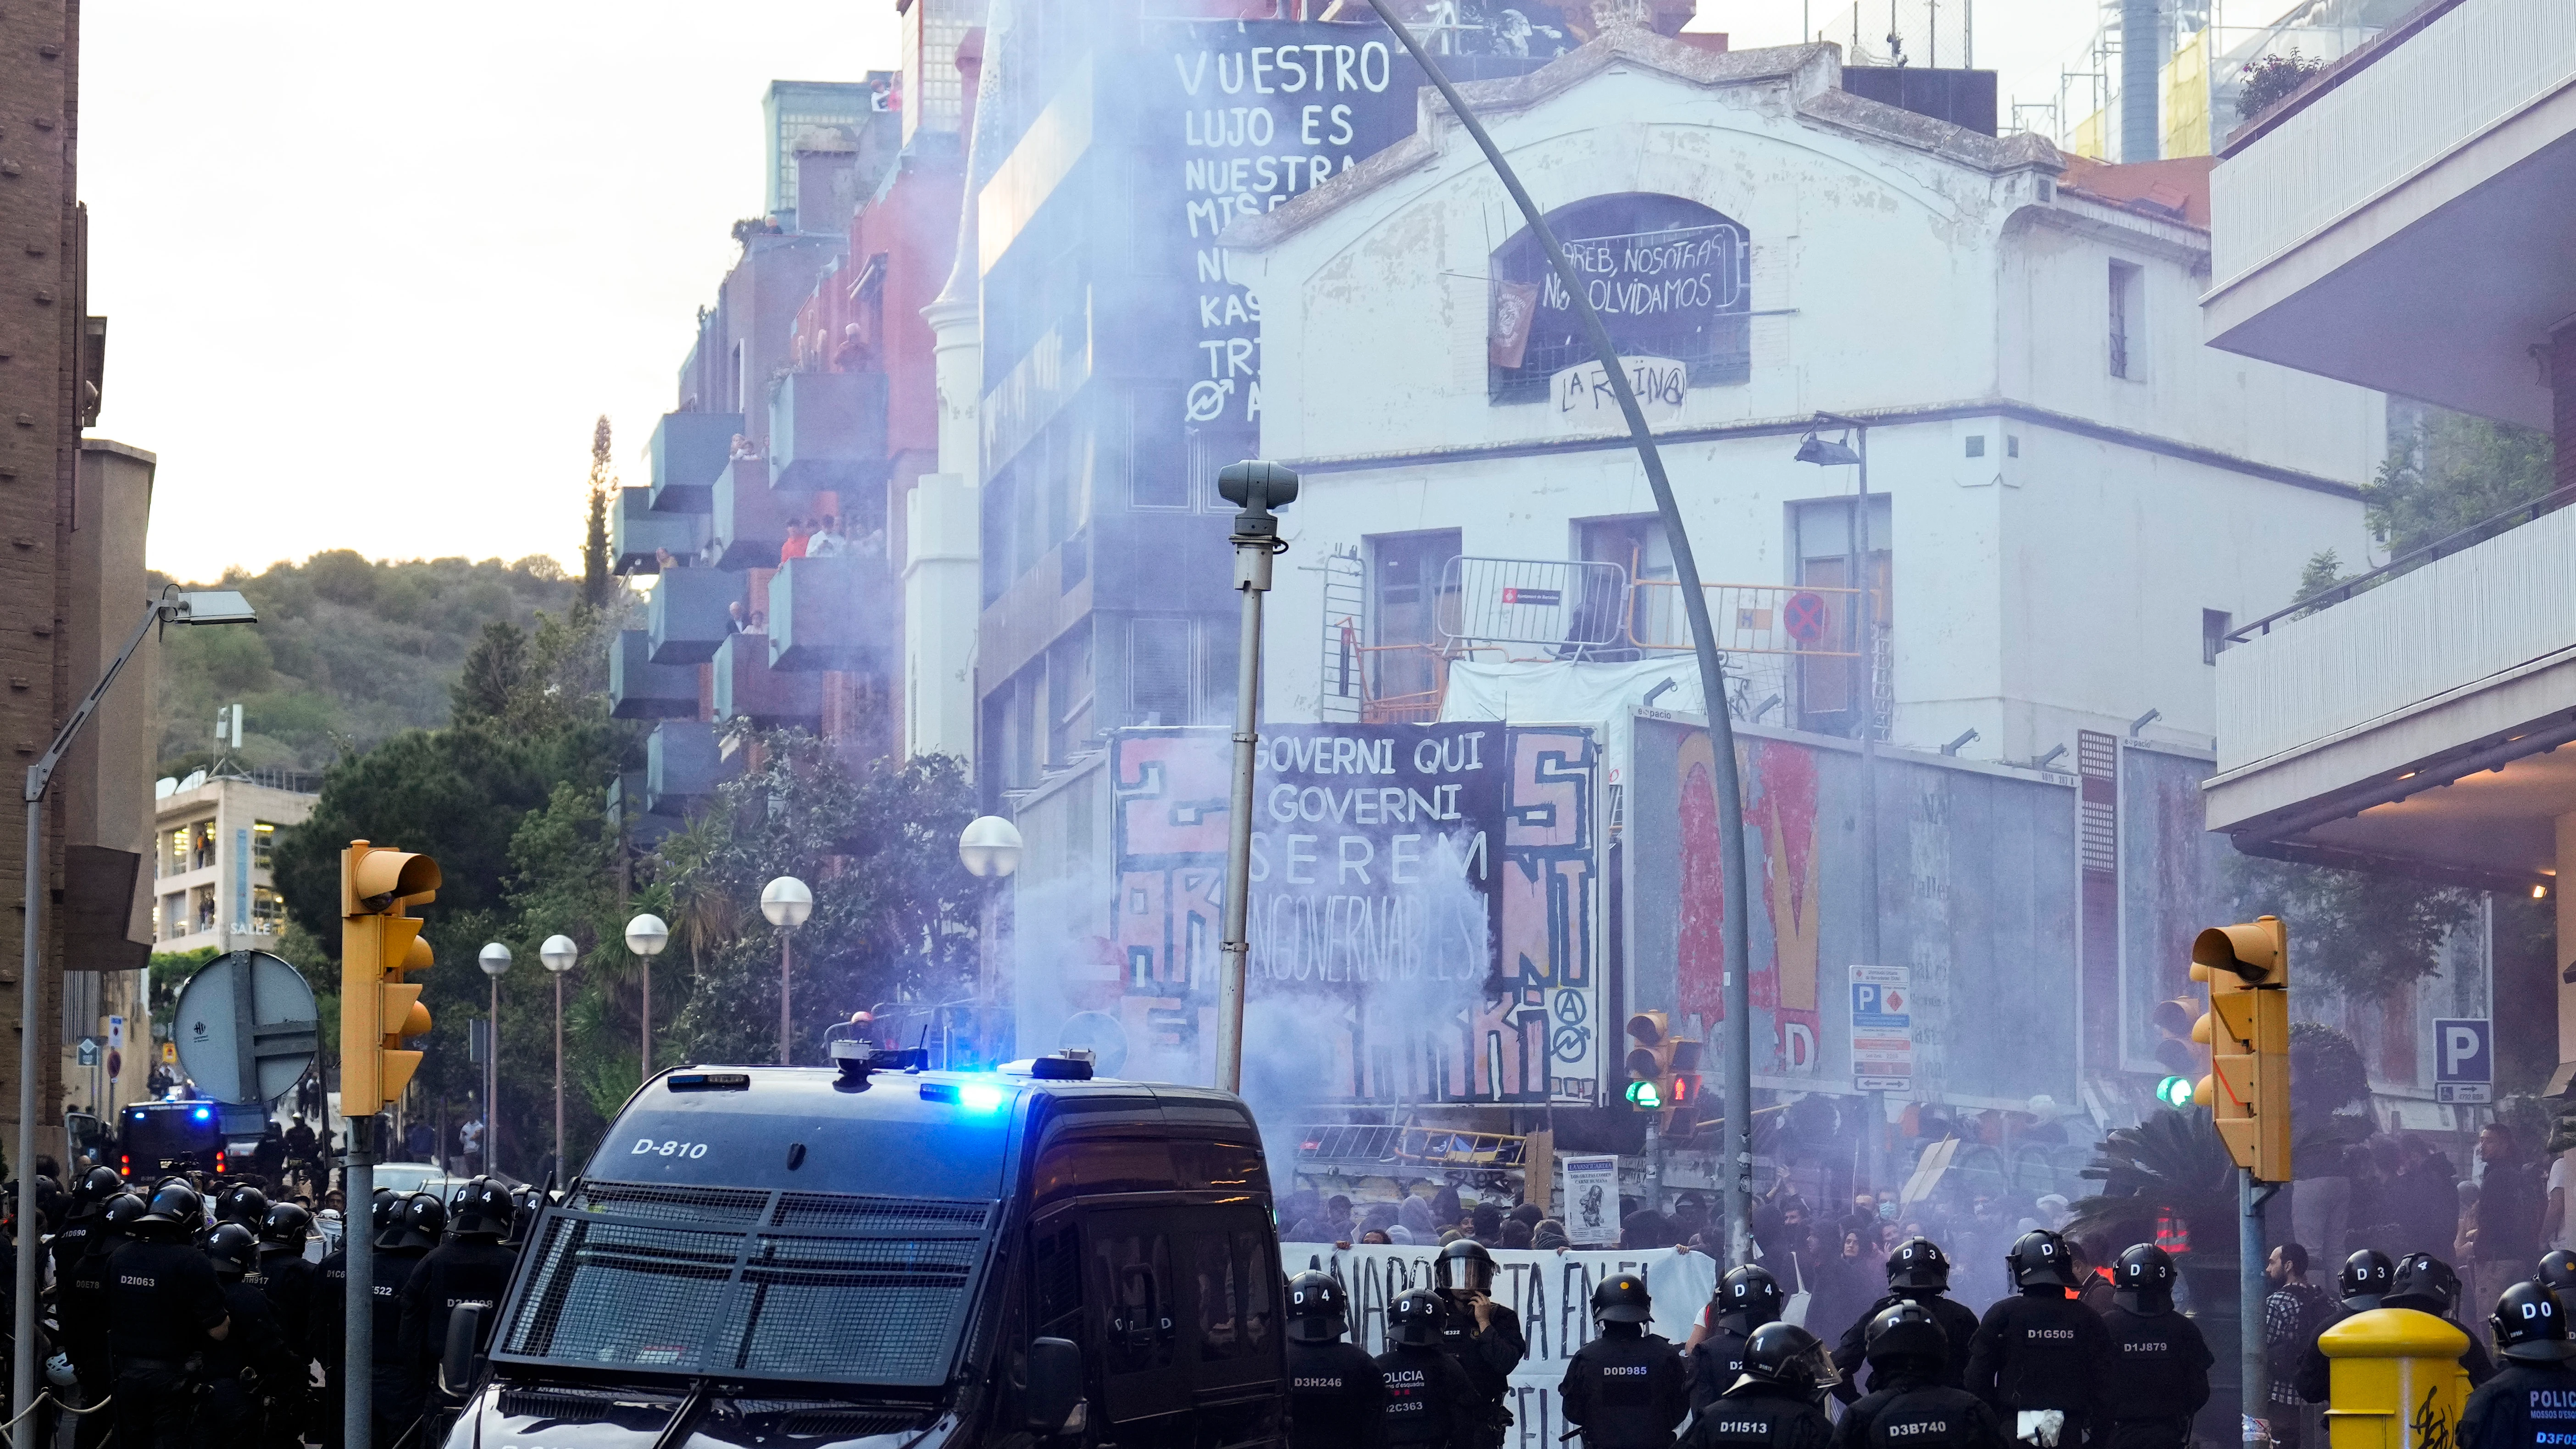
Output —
<point x="1958" y="1325"/>
<point x="1429" y="1400"/>
<point x="327" y="1330"/>
<point x="81" y="1305"/>
<point x="1488" y="1355"/>
<point x="399" y="1391"/>
<point x="457" y="1272"/>
<point x="2040" y="1349"/>
<point x="242" y="1370"/>
<point x="1715" y="1365"/>
<point x="2526" y="1404"/>
<point x="2159" y="1378"/>
<point x="1336" y="1397"/>
<point x="162" y="1302"/>
<point x="1915" y="1412"/>
<point x="1756" y="1414"/>
<point x="1626" y="1390"/>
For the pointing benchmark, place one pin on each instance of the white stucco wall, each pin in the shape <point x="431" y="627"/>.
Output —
<point x="2034" y="594"/>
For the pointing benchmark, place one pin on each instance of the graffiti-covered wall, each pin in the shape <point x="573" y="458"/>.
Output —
<point x="1976" y="894"/>
<point x="1424" y="914"/>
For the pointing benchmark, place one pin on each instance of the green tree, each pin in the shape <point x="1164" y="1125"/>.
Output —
<point x="2357" y="934"/>
<point x="2460" y="470"/>
<point x="2272" y="80"/>
<point x="493" y="675"/>
<point x="598" y="585"/>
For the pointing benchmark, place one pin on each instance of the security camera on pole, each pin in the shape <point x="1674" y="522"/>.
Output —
<point x="787" y="903"/>
<point x="1256" y="488"/>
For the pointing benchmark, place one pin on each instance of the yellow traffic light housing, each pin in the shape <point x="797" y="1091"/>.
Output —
<point x="2246" y="969"/>
<point x="1682" y="1082"/>
<point x="379" y="945"/>
<point x="1650" y="1061"/>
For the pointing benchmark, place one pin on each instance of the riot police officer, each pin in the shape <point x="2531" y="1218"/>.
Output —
<point x="2427" y="1285"/>
<point x="81" y="1304"/>
<point x="291" y="1281"/>
<point x="329" y="1320"/>
<point x="2360" y="1283"/>
<point x="241" y="1203"/>
<point x="1336" y="1398"/>
<point x="2533" y="1401"/>
<point x="1908" y="1404"/>
<point x="1746" y="1298"/>
<point x="419" y="1221"/>
<point x="164" y="1310"/>
<point x="84" y="1219"/>
<point x="2040" y="1357"/>
<point x="1430" y="1403"/>
<point x="1625" y="1389"/>
<point x="1482" y="1336"/>
<point x="1917" y="1272"/>
<point x="243" y="1370"/>
<point x="470" y="1267"/>
<point x="2558" y="1274"/>
<point x="2159" y="1362"/>
<point x="1773" y="1403"/>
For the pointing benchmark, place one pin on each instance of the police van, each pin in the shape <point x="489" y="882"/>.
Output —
<point x="879" y="1254"/>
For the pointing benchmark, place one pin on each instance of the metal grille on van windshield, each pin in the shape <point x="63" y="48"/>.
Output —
<point x="771" y="1285"/>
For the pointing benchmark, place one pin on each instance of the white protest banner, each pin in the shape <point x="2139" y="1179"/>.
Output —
<point x="1551" y="1290"/>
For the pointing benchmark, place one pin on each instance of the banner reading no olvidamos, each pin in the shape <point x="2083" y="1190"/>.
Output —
<point x="1550" y="1290"/>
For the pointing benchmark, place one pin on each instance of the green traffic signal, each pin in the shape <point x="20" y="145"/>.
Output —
<point x="2175" y="1092"/>
<point x="1645" y="1096"/>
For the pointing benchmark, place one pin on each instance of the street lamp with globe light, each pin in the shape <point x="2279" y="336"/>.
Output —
<point x="494" y="958"/>
<point x="989" y="848"/>
<point x="787" y="903"/>
<point x="646" y="936"/>
<point x="558" y="953"/>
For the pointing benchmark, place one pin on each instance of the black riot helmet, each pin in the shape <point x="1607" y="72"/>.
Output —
<point x="175" y="1211"/>
<point x="2558" y="1271"/>
<point x="1907" y="1331"/>
<point x="482" y="1209"/>
<point x="1918" y="1266"/>
<point x="96" y="1186"/>
<point x="286" y="1225"/>
<point x="2039" y="1259"/>
<point x="124" y="1213"/>
<point x="2142" y="1281"/>
<point x="1318" y="1311"/>
<point x="2531" y="1325"/>
<point x="1790" y="1356"/>
<point x="384" y="1213"/>
<point x="418" y="1220"/>
<point x="233" y="1249"/>
<point x="1749" y="1297"/>
<point x="1622" y="1298"/>
<point x="1464" y="1266"/>
<point x="2424" y="1283"/>
<point x="242" y="1203"/>
<point x="1414" y="1319"/>
<point x="2363" y="1278"/>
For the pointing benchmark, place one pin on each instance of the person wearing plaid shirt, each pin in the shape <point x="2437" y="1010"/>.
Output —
<point x="2293" y="1312"/>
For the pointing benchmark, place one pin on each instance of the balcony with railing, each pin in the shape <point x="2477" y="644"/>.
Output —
<point x="827" y="430"/>
<point x="749" y="521"/>
<point x="638" y="688"/>
<point x="841" y="612"/>
<point x="748" y="687"/>
<point x="692" y="612"/>
<point x="688" y="451"/>
<point x="684" y="761"/>
<point x="638" y="536"/>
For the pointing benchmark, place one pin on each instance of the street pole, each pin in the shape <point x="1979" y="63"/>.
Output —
<point x="1866" y="578"/>
<point x="492" y="1087"/>
<point x="559" y="1132"/>
<point x="2252" y="1400"/>
<point x="358" y="1303"/>
<point x="1737" y="1152"/>
<point x="1255" y="488"/>
<point x="164" y="608"/>
<point x="785" y="935"/>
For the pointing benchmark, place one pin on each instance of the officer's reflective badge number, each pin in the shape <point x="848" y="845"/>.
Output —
<point x="1920" y="1426"/>
<point x="647" y="1147"/>
<point x="2048" y="1333"/>
<point x="1618" y="1370"/>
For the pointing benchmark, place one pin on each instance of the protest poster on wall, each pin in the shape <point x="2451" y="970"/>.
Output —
<point x="1592" y="1201"/>
<point x="1551" y="1291"/>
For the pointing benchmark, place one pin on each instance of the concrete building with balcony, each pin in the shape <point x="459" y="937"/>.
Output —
<point x="2402" y="223"/>
<point x="211" y="885"/>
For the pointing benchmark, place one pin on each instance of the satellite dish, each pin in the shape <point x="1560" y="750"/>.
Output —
<point x="246" y="1028"/>
<point x="194" y="779"/>
<point x="1098" y="1033"/>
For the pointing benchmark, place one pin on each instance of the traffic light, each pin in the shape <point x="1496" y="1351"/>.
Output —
<point x="1650" y="1061"/>
<point x="1681" y="1082"/>
<point x="2247" y="970"/>
<point x="379" y="943"/>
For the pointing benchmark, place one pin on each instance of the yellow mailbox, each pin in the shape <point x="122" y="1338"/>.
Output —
<point x="2398" y="1383"/>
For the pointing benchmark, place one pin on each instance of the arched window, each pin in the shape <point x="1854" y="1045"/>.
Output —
<point x="1670" y="277"/>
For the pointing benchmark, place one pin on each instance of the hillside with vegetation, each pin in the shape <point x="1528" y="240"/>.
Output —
<point x="349" y="653"/>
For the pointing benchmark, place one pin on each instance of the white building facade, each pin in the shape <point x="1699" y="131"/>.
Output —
<point x="2072" y="498"/>
<point x="210" y="863"/>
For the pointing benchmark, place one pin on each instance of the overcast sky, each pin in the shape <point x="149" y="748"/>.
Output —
<point x="372" y="272"/>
